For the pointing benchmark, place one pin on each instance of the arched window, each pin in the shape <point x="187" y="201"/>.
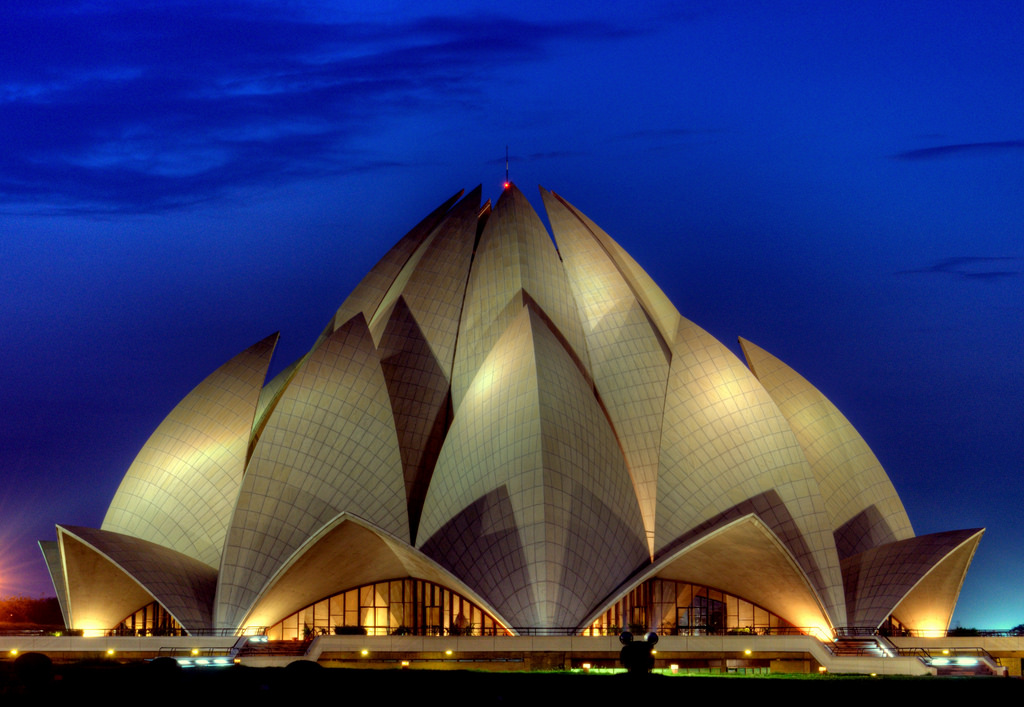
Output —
<point x="394" y="607"/>
<point x="680" y="608"/>
<point x="150" y="620"/>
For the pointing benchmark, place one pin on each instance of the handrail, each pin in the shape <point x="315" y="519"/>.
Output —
<point x="928" y="633"/>
<point x="951" y="652"/>
<point x="695" y="631"/>
<point x="913" y="652"/>
<point x="477" y="630"/>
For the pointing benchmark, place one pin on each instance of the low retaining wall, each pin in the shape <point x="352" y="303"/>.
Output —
<point x="726" y="653"/>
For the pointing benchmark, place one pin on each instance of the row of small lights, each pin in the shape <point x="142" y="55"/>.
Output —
<point x="405" y="664"/>
<point x="181" y="661"/>
<point x="216" y="662"/>
<point x="203" y="662"/>
<point x="14" y="652"/>
<point x="674" y="667"/>
<point x="364" y="652"/>
<point x="957" y="661"/>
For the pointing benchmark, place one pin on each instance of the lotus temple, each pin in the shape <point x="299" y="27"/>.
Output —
<point x="507" y="435"/>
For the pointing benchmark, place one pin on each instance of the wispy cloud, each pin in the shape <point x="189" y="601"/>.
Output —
<point x="963" y="149"/>
<point x="139" y="106"/>
<point x="976" y="268"/>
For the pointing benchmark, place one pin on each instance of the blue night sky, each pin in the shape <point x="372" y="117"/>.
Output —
<point x="841" y="183"/>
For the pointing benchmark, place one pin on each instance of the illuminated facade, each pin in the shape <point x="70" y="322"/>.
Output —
<point x="492" y="436"/>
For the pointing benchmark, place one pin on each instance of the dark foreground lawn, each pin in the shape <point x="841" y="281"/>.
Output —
<point x="148" y="684"/>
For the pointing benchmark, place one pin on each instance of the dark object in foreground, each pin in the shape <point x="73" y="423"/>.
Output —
<point x="33" y="670"/>
<point x="637" y="657"/>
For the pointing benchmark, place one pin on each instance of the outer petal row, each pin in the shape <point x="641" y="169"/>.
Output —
<point x="181" y="489"/>
<point x="862" y="504"/>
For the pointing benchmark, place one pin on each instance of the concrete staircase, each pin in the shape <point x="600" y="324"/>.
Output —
<point x="861" y="646"/>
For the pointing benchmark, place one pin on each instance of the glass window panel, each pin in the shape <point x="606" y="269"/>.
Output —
<point x="338" y="611"/>
<point x="684" y="594"/>
<point x="433" y="614"/>
<point x="760" y="617"/>
<point x="746" y="613"/>
<point x="321" y="616"/>
<point x="732" y="612"/>
<point x="306" y="620"/>
<point x="290" y="628"/>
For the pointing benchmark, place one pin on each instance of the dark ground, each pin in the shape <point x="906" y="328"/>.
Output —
<point x="152" y="684"/>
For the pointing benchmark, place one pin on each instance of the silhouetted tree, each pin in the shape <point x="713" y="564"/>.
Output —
<point x="26" y="610"/>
